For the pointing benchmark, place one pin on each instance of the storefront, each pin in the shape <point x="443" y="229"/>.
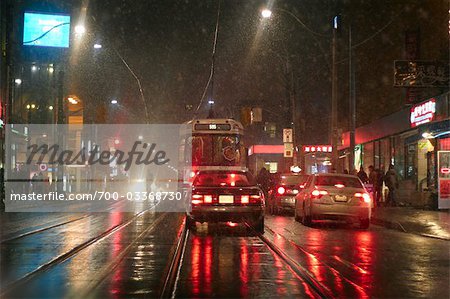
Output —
<point x="410" y="140"/>
<point x="269" y="156"/>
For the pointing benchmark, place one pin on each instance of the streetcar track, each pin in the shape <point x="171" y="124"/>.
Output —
<point x="16" y="237"/>
<point x="331" y="268"/>
<point x="302" y="273"/>
<point x="173" y="275"/>
<point x="68" y="254"/>
<point x="112" y="265"/>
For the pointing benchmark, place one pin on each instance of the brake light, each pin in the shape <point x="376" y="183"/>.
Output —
<point x="245" y="199"/>
<point x="295" y="191"/>
<point x="363" y="197"/>
<point x="207" y="198"/>
<point x="200" y="198"/>
<point x="302" y="186"/>
<point x="319" y="193"/>
<point x="339" y="186"/>
<point x="281" y="190"/>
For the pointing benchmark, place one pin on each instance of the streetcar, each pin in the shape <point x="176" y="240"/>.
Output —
<point x="213" y="158"/>
<point x="211" y="144"/>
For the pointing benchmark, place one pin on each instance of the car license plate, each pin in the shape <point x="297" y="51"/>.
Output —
<point x="226" y="198"/>
<point x="340" y="198"/>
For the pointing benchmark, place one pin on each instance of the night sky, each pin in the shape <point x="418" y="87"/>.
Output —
<point x="168" y="45"/>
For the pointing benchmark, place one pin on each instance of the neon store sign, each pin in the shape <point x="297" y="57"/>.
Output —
<point x="423" y="113"/>
<point x="317" y="148"/>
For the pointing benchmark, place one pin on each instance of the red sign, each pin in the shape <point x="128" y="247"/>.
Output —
<point x="423" y="113"/>
<point x="317" y="148"/>
<point x="444" y="190"/>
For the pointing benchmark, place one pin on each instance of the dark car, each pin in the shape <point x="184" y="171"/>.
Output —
<point x="283" y="192"/>
<point x="226" y="196"/>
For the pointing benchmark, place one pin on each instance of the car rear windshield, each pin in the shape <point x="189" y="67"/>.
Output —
<point x="293" y="179"/>
<point x="224" y="180"/>
<point x="338" y="180"/>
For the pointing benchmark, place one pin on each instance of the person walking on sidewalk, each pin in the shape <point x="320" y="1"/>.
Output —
<point x="391" y="181"/>
<point x="373" y="180"/>
<point x="379" y="186"/>
<point x="363" y="175"/>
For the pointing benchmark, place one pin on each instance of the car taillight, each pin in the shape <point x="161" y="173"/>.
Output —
<point x="302" y="186"/>
<point x="251" y="199"/>
<point x="318" y="193"/>
<point x="281" y="190"/>
<point x="207" y="198"/>
<point x="200" y="198"/>
<point x="363" y="197"/>
<point x="245" y="199"/>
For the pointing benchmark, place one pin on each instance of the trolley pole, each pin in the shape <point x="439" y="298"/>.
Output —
<point x="334" y="95"/>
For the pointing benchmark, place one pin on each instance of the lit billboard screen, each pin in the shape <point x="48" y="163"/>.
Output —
<point x="46" y="30"/>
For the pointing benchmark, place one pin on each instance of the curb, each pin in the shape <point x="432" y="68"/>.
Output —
<point x="399" y="227"/>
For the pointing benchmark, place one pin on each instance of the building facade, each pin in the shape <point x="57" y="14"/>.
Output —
<point x="410" y="140"/>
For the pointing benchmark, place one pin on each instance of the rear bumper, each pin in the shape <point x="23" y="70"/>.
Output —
<point x="339" y="211"/>
<point x="285" y="202"/>
<point x="226" y="213"/>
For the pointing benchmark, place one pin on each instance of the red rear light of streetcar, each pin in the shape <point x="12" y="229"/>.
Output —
<point x="245" y="199"/>
<point x="318" y="193"/>
<point x="281" y="190"/>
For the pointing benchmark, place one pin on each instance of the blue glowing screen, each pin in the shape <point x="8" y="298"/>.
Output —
<point x="46" y="30"/>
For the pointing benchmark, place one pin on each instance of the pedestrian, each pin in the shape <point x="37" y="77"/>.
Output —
<point x="378" y="187"/>
<point x="34" y="182"/>
<point x="391" y="181"/>
<point x="373" y="180"/>
<point x="263" y="179"/>
<point x="363" y="175"/>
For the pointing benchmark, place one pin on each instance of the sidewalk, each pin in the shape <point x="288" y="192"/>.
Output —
<point x="434" y="224"/>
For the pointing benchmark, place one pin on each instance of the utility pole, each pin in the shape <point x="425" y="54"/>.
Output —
<point x="334" y="95"/>
<point x="352" y="101"/>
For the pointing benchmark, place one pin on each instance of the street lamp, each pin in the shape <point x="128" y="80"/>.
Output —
<point x="18" y="81"/>
<point x="266" y="13"/>
<point x="80" y="30"/>
<point x="97" y="46"/>
<point x="114" y="102"/>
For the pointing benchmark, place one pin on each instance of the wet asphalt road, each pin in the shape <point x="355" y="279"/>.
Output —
<point x="124" y="255"/>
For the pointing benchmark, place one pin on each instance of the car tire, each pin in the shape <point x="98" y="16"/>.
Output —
<point x="296" y="217"/>
<point x="306" y="219"/>
<point x="259" y="225"/>
<point x="364" y="223"/>
<point x="276" y="210"/>
<point x="190" y="223"/>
